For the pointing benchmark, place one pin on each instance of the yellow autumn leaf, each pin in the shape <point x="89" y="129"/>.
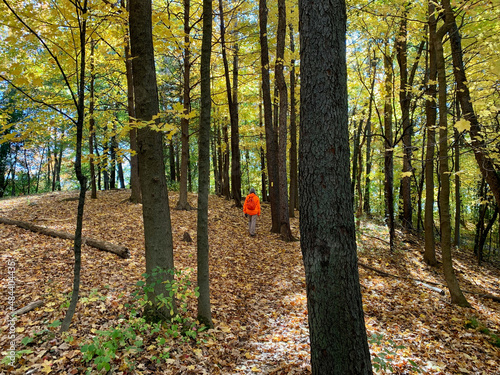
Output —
<point x="462" y="125"/>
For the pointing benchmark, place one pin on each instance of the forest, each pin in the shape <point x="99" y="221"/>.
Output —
<point x="132" y="130"/>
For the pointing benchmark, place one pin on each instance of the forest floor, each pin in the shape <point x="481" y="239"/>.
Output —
<point x="257" y="294"/>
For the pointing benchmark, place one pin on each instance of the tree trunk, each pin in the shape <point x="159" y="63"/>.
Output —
<point x="368" y="132"/>
<point x="285" y="231"/>
<point x="93" y="185"/>
<point x="430" y="111"/>
<point x="155" y="205"/>
<point x="171" y="158"/>
<point x="135" y="185"/>
<point x="81" y="10"/>
<point x="215" y="159"/>
<point x="203" y="274"/>
<point x="121" y="251"/>
<point x="220" y="163"/>
<point x="484" y="235"/>
<point x="235" y="137"/>
<point x="389" y="149"/>
<point x="113" y="145"/>
<point x="263" y="155"/>
<point x="232" y="102"/>
<point x="335" y="312"/>
<point x="183" y="203"/>
<point x="486" y="165"/>
<point x="457" y="296"/>
<point x="271" y="139"/>
<point x="404" y="101"/>
<point x="225" y="173"/>
<point x="458" y="200"/>
<point x="294" y="184"/>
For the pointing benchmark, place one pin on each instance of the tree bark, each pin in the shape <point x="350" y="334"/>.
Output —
<point x="430" y="111"/>
<point x="155" y="205"/>
<point x="457" y="296"/>
<point x="271" y="139"/>
<point x="285" y="231"/>
<point x="232" y="102"/>
<point x="335" y="312"/>
<point x="488" y="168"/>
<point x="389" y="149"/>
<point x="183" y="203"/>
<point x="135" y="185"/>
<point x="81" y="11"/>
<point x="294" y="184"/>
<point x="368" y="132"/>
<point x="404" y="100"/>
<point x="93" y="184"/>
<point x="203" y="273"/>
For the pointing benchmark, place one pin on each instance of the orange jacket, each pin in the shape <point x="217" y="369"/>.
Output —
<point x="255" y="211"/>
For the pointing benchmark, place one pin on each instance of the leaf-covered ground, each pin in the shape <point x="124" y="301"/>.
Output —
<point x="257" y="293"/>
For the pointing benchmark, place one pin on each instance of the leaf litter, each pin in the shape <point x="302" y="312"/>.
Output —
<point x="258" y="296"/>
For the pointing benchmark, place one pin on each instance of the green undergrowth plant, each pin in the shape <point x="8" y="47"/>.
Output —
<point x="117" y="347"/>
<point x="384" y="360"/>
<point x="474" y="323"/>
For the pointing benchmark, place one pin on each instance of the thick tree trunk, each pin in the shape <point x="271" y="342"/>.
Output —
<point x="155" y="205"/>
<point x="335" y="312"/>
<point x="203" y="274"/>
<point x="457" y="296"/>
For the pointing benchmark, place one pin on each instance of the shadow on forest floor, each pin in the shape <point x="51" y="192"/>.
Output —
<point x="257" y="293"/>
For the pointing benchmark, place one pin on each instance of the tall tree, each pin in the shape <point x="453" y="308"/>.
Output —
<point x="389" y="146"/>
<point x="404" y="100"/>
<point x="457" y="296"/>
<point x="430" y="111"/>
<point x="135" y="186"/>
<point x="294" y="184"/>
<point x="285" y="231"/>
<point x="155" y="205"/>
<point x="489" y="169"/>
<point x="271" y="138"/>
<point x="203" y="274"/>
<point x="93" y="185"/>
<point x="368" y="132"/>
<point x="336" y="323"/>
<point x="232" y="100"/>
<point x="183" y="203"/>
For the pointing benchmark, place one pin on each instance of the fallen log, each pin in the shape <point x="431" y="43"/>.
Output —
<point x="28" y="307"/>
<point x="119" y="250"/>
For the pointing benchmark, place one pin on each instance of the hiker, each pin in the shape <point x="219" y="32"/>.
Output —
<point x="251" y="209"/>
